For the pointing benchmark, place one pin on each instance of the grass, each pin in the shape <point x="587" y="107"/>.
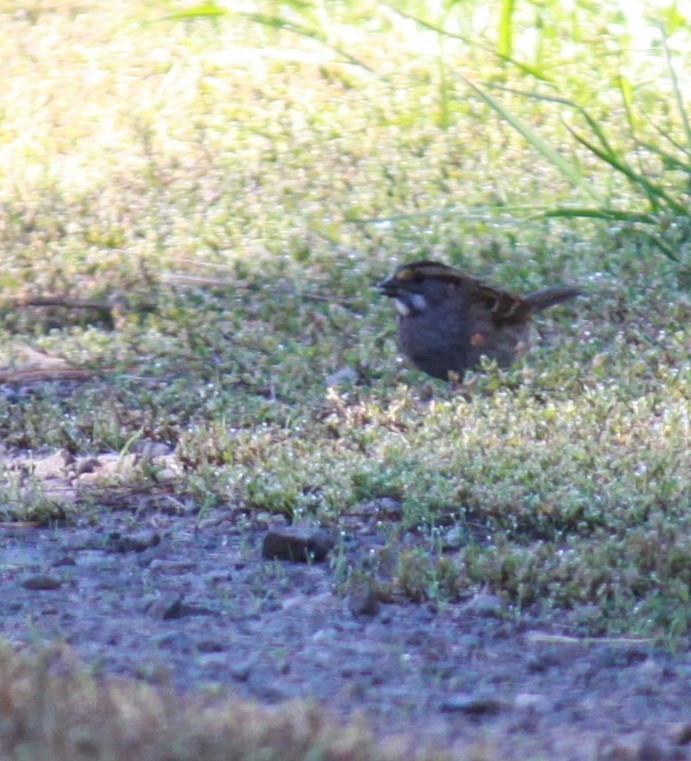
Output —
<point x="232" y="189"/>
<point x="70" y="717"/>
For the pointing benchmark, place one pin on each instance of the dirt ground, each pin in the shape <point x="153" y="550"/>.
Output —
<point x="156" y="590"/>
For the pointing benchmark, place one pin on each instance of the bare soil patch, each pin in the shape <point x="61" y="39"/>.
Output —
<point x="162" y="592"/>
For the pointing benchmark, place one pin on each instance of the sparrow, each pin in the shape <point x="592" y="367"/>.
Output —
<point x="447" y="320"/>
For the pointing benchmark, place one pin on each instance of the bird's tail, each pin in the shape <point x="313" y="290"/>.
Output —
<point x="548" y="297"/>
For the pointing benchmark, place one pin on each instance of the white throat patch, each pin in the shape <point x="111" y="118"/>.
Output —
<point x="401" y="307"/>
<point x="413" y="305"/>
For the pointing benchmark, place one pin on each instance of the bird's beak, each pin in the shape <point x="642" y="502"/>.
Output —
<point x="389" y="287"/>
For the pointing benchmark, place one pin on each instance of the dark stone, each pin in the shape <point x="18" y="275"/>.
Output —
<point x="41" y="582"/>
<point x="474" y="705"/>
<point x="364" y="602"/>
<point x="241" y="670"/>
<point x="210" y="646"/>
<point x="681" y="733"/>
<point x="167" y="610"/>
<point x="296" y="545"/>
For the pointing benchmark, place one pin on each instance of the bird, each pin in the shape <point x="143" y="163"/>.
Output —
<point x="447" y="320"/>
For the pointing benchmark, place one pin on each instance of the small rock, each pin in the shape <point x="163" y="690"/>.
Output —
<point x="297" y="545"/>
<point x="86" y="465"/>
<point x="41" y="582"/>
<point x="241" y="670"/>
<point x="474" y="705"/>
<point x="680" y="734"/>
<point x="364" y="602"/>
<point x="194" y="610"/>
<point x="176" y="608"/>
<point x="210" y="646"/>
<point x="165" y="609"/>
<point x="484" y="605"/>
<point x="138" y="542"/>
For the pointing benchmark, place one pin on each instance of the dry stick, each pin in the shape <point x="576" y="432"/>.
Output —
<point x="62" y="301"/>
<point x="183" y="279"/>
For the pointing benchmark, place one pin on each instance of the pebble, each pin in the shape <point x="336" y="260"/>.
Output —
<point x="297" y="545"/>
<point x="484" y="605"/>
<point x="364" y="602"/>
<point x="680" y="733"/>
<point x="475" y="705"/>
<point x="41" y="582"/>
<point x="241" y="670"/>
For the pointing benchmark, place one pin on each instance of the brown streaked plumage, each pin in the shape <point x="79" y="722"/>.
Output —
<point x="448" y="320"/>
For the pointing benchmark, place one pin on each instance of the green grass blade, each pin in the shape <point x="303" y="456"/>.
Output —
<point x="666" y="249"/>
<point x="670" y="139"/>
<point x="568" y="169"/>
<point x="607" y="215"/>
<point x="205" y="10"/>
<point x="276" y="22"/>
<point x="599" y="134"/>
<point x="505" y="42"/>
<point x="618" y="216"/>
<point x="654" y="191"/>
<point x="671" y="162"/>
<point x="678" y="95"/>
<point x="524" y="67"/>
